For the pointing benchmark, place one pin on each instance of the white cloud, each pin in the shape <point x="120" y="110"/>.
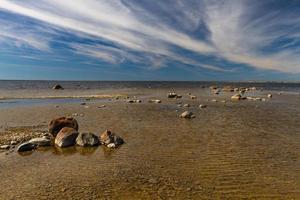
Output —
<point x="12" y="34"/>
<point x="240" y="40"/>
<point x="132" y="28"/>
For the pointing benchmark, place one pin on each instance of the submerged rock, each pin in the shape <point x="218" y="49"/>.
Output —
<point x="41" y="141"/>
<point x="57" y="87"/>
<point x="154" y="101"/>
<point x="269" y="95"/>
<point x="57" y="124"/>
<point x="216" y="91"/>
<point x="236" y="97"/>
<point x="27" y="146"/>
<point x="228" y="89"/>
<point x="186" y="105"/>
<point x="187" y="115"/>
<point x="110" y="139"/>
<point x="134" y="101"/>
<point x="251" y="98"/>
<point x="202" y="106"/>
<point x="87" y="139"/>
<point x="213" y="87"/>
<point x="172" y="95"/>
<point x="66" y="137"/>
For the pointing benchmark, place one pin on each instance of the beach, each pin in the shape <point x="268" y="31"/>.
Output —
<point x="244" y="149"/>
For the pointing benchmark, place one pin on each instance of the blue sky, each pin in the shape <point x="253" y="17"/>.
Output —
<point x="150" y="39"/>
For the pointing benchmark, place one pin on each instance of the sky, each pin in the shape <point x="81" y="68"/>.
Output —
<point x="225" y="40"/>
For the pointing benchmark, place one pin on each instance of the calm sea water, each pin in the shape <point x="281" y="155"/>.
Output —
<point x="20" y="85"/>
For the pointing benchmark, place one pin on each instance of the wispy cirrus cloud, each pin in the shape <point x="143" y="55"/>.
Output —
<point x="251" y="40"/>
<point x="188" y="32"/>
<point x="15" y="34"/>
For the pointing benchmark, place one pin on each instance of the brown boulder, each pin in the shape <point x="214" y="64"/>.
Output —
<point x="66" y="137"/>
<point x="57" y="124"/>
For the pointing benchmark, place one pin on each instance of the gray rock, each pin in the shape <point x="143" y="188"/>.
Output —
<point x="111" y="145"/>
<point x="187" y="115"/>
<point x="134" y="101"/>
<point x="236" y="97"/>
<point x="186" y="105"/>
<point x="202" y="106"/>
<point x="172" y="95"/>
<point x="66" y="137"/>
<point x="27" y="146"/>
<point x="107" y="138"/>
<point x="40" y="142"/>
<point x="154" y="101"/>
<point x="87" y="139"/>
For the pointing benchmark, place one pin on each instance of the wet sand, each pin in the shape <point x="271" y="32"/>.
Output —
<point x="233" y="150"/>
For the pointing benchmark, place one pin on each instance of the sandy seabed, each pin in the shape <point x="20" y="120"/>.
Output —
<point x="233" y="150"/>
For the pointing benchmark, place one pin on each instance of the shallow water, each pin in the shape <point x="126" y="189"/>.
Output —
<point x="232" y="150"/>
<point x="11" y="103"/>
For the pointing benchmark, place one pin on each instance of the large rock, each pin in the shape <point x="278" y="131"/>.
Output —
<point x="110" y="139"/>
<point x="66" y="137"/>
<point x="41" y="142"/>
<point x="87" y="139"/>
<point x="57" y="124"/>
<point x="27" y="146"/>
<point x="57" y="87"/>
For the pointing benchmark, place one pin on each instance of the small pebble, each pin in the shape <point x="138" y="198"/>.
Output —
<point x="4" y="147"/>
<point x="111" y="145"/>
